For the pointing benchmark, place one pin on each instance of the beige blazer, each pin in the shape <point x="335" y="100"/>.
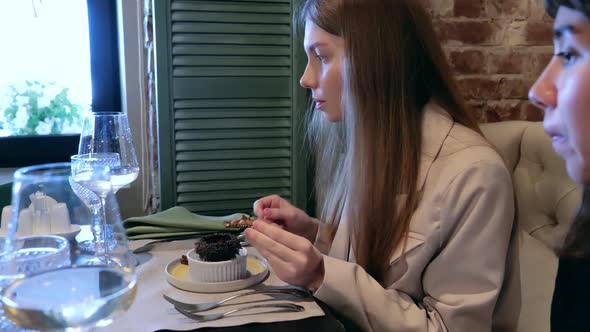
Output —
<point x="460" y="267"/>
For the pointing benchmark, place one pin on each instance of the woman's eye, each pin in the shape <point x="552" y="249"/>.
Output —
<point x="321" y="58"/>
<point x="567" y="57"/>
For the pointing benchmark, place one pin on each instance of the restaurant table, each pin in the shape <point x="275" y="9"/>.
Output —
<point x="151" y="266"/>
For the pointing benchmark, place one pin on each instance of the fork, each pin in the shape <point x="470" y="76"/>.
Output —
<point x="291" y="307"/>
<point x="197" y="307"/>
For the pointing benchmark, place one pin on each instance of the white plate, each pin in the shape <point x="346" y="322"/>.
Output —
<point x="74" y="230"/>
<point x="177" y="275"/>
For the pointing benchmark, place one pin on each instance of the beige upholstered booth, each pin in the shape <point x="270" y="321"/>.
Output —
<point x="547" y="201"/>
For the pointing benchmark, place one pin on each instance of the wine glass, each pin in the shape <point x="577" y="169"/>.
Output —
<point x="109" y="132"/>
<point x="91" y="182"/>
<point x="48" y="286"/>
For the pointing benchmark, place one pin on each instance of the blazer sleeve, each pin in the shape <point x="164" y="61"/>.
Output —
<point x="323" y="240"/>
<point x="461" y="283"/>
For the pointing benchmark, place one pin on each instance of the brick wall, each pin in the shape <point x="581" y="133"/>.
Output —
<point x="497" y="49"/>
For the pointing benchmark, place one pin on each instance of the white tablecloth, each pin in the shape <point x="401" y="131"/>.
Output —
<point x="150" y="312"/>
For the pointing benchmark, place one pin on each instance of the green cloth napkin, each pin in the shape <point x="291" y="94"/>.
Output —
<point x="176" y="221"/>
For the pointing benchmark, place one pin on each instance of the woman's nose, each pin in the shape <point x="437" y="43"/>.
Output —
<point x="307" y="80"/>
<point x="543" y="93"/>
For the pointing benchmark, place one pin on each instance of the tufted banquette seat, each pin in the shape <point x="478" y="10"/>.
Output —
<point x="547" y="202"/>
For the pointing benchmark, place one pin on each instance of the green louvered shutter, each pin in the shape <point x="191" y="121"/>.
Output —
<point x="230" y="110"/>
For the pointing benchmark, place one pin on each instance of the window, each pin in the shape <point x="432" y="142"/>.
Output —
<point x="63" y="56"/>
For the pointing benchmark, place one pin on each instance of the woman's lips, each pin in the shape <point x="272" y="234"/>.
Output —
<point x="559" y="143"/>
<point x="319" y="104"/>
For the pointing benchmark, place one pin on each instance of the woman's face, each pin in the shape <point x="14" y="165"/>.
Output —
<point x="323" y="73"/>
<point x="563" y="91"/>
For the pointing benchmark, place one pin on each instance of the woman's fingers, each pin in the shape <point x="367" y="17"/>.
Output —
<point x="259" y="207"/>
<point x="266" y="245"/>
<point x="278" y="234"/>
<point x="272" y="223"/>
<point x="286" y="271"/>
<point x="278" y="214"/>
<point x="293" y="258"/>
<point x="272" y="201"/>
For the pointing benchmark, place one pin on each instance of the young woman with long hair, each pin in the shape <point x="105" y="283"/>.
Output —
<point x="417" y="210"/>
<point x="563" y="92"/>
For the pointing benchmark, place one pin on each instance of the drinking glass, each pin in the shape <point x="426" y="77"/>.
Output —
<point x="47" y="283"/>
<point x="27" y="256"/>
<point x="109" y="132"/>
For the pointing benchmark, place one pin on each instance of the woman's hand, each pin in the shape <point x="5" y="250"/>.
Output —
<point x="277" y="210"/>
<point x="293" y="258"/>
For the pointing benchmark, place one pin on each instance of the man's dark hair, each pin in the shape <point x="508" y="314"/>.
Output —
<point x="580" y="5"/>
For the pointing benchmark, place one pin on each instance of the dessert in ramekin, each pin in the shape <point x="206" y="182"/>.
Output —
<point x="217" y="257"/>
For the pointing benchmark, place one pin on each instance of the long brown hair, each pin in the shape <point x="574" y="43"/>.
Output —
<point x="577" y="241"/>
<point x="394" y="65"/>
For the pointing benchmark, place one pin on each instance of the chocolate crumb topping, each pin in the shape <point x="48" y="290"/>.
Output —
<point x="217" y="247"/>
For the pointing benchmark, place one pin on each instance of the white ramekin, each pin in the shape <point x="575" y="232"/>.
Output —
<point x="201" y="271"/>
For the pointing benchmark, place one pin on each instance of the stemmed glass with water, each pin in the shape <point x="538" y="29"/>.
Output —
<point x="91" y="182"/>
<point x="105" y="141"/>
<point x="109" y="132"/>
